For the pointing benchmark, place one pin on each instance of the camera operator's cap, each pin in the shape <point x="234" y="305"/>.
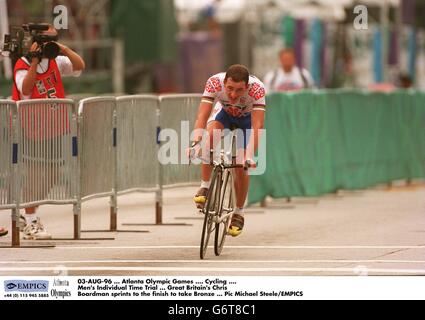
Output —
<point x="42" y="29"/>
<point x="51" y="31"/>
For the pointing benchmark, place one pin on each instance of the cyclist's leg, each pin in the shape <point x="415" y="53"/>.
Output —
<point x="214" y="129"/>
<point x="241" y="182"/>
<point x="216" y="123"/>
<point x="241" y="176"/>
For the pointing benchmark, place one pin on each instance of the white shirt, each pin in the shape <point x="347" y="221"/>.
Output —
<point x="277" y="80"/>
<point x="253" y="99"/>
<point x="64" y="66"/>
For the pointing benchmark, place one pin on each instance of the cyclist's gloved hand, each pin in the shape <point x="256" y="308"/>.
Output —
<point x="194" y="150"/>
<point x="250" y="163"/>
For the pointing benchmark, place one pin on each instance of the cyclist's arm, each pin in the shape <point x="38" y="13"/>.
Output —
<point x="204" y="112"/>
<point x="257" y="123"/>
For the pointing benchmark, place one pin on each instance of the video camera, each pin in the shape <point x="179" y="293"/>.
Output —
<point x="18" y="43"/>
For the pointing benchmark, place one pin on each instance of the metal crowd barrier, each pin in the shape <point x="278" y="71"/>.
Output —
<point x="137" y="164"/>
<point x="178" y="112"/>
<point x="96" y="131"/>
<point x="139" y="170"/>
<point x="137" y="123"/>
<point x="9" y="164"/>
<point x="52" y="154"/>
<point x="48" y="152"/>
<point x="8" y="112"/>
<point x="97" y="158"/>
<point x="175" y="109"/>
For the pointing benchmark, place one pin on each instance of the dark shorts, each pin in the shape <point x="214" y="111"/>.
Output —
<point x="231" y="123"/>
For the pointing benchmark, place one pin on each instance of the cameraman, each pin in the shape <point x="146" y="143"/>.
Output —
<point x="31" y="70"/>
<point x="37" y="77"/>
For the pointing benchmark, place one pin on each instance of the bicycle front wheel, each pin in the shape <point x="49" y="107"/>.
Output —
<point x="210" y="210"/>
<point x="227" y="205"/>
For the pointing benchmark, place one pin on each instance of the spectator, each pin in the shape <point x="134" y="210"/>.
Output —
<point x="37" y="77"/>
<point x="207" y="19"/>
<point x="288" y="77"/>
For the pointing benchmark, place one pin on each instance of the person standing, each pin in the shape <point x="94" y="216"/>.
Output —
<point x="288" y="77"/>
<point x="38" y="77"/>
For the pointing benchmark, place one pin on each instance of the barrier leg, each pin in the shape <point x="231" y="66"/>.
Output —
<point x="15" y="228"/>
<point x="158" y="212"/>
<point x="77" y="221"/>
<point x="113" y="213"/>
<point x="113" y="209"/>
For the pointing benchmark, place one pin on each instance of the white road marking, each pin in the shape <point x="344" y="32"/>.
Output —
<point x="240" y="247"/>
<point x="208" y="261"/>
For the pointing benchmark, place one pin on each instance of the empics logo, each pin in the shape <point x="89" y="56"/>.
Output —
<point x="26" y="286"/>
<point x="10" y="286"/>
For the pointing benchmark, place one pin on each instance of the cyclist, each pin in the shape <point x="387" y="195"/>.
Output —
<point x="231" y="99"/>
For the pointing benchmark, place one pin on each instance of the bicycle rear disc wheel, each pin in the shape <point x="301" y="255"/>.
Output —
<point x="227" y="204"/>
<point x="210" y="209"/>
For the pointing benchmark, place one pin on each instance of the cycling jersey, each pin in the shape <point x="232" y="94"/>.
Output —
<point x="253" y="99"/>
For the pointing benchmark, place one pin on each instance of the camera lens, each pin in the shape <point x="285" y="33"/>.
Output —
<point x="50" y="50"/>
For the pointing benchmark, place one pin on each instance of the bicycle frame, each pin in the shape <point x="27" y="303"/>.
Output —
<point x="219" y="219"/>
<point x="219" y="212"/>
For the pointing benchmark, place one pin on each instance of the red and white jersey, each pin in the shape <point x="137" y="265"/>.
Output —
<point x="36" y="122"/>
<point x="253" y="99"/>
<point x="47" y="84"/>
<point x="48" y="78"/>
